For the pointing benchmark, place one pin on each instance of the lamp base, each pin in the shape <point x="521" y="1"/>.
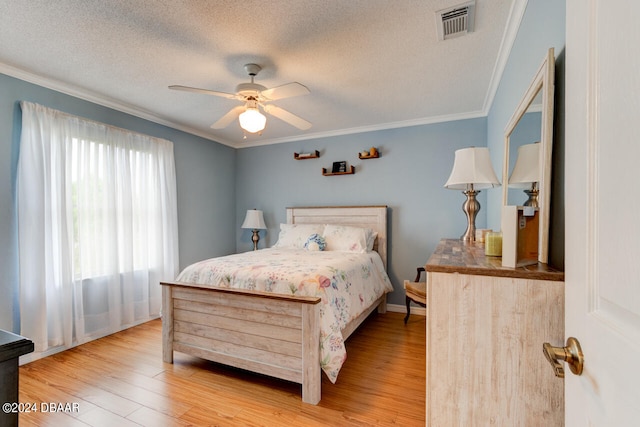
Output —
<point x="471" y="207"/>
<point x="255" y="239"/>
<point x="533" y="197"/>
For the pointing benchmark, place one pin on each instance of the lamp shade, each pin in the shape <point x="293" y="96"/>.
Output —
<point x="472" y="166"/>
<point x="527" y="168"/>
<point x="254" y="219"/>
<point x="252" y="120"/>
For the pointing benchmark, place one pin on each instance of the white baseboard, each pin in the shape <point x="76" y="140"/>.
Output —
<point x="397" y="308"/>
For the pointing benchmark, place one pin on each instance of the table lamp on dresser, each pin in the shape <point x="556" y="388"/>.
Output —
<point x="472" y="171"/>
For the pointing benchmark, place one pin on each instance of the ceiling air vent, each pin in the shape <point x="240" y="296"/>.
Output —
<point x="455" y="21"/>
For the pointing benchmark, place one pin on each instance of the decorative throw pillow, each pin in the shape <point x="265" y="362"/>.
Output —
<point x="315" y="242"/>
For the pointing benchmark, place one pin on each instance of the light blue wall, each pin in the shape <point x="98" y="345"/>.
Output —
<point x="542" y="27"/>
<point x="414" y="164"/>
<point x="205" y="174"/>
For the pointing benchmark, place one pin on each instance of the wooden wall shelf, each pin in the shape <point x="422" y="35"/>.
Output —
<point x="369" y="156"/>
<point x="305" y="156"/>
<point x="351" y="171"/>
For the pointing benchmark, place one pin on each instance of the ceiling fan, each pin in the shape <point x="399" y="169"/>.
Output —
<point x="256" y="96"/>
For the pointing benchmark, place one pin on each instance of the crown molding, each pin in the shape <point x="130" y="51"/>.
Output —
<point x="101" y="99"/>
<point x="364" y="129"/>
<point x="514" y="20"/>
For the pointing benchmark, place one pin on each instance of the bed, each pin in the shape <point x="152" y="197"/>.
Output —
<point x="279" y="329"/>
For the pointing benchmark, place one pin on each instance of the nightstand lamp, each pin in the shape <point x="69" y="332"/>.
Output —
<point x="255" y="221"/>
<point x="472" y="171"/>
<point x="526" y="172"/>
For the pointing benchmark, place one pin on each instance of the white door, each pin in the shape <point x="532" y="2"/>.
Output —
<point x="603" y="210"/>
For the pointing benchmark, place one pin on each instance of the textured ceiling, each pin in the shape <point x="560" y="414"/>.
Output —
<point x="369" y="64"/>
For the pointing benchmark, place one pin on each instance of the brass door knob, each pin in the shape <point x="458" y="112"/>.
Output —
<point x="572" y="354"/>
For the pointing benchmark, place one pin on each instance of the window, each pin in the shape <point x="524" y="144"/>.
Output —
<point x="97" y="226"/>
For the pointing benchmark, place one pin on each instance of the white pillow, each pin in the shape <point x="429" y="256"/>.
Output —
<point x="346" y="238"/>
<point x="294" y="236"/>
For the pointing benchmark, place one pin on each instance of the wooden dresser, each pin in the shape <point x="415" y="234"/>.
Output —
<point x="485" y="328"/>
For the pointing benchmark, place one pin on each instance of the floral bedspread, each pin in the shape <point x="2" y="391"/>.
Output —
<point x="347" y="282"/>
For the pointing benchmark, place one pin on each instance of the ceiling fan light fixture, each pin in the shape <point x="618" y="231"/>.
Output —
<point x="252" y="120"/>
<point x="254" y="96"/>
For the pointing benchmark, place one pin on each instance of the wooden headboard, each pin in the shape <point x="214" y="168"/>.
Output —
<point x="374" y="217"/>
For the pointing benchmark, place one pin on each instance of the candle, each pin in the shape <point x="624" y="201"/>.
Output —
<point x="493" y="244"/>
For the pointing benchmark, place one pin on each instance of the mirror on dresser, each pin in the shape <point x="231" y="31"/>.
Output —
<point x="529" y="136"/>
<point x="524" y="145"/>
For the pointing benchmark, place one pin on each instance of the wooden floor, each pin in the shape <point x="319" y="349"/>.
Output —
<point x="120" y="380"/>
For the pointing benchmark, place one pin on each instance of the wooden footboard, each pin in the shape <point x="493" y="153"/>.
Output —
<point x="271" y="334"/>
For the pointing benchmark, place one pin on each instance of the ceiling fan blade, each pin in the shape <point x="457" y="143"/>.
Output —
<point x="285" y="91"/>
<point x="286" y="116"/>
<point x="205" y="91"/>
<point x="228" y="118"/>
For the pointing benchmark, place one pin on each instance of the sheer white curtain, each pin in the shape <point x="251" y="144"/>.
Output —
<point x="97" y="227"/>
